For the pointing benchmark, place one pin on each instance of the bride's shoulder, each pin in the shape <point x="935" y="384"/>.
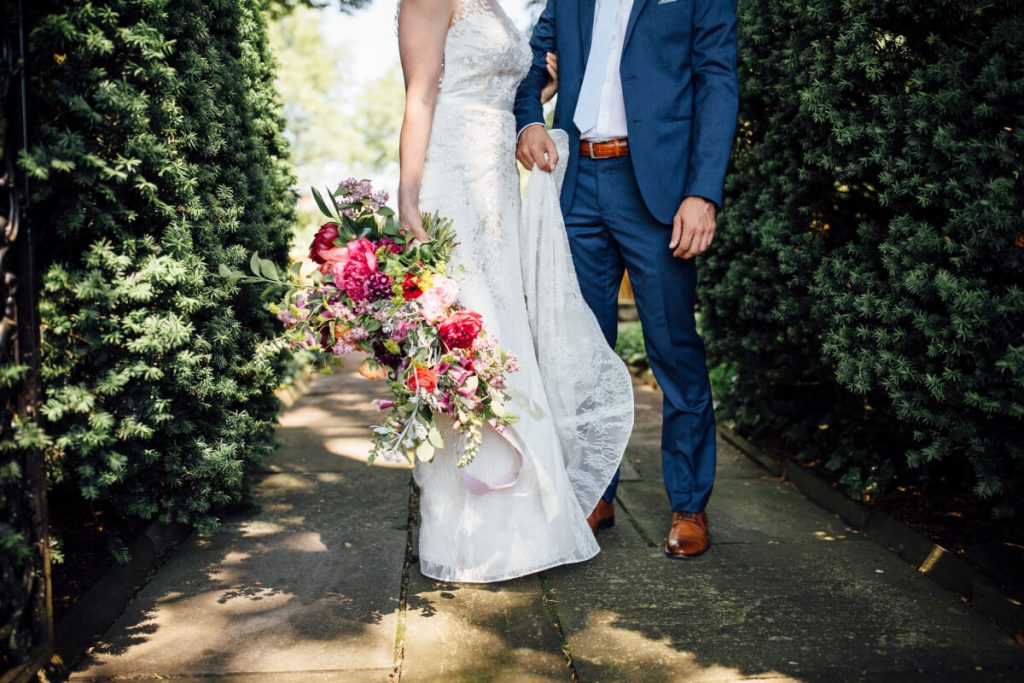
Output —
<point x="429" y="7"/>
<point x="414" y="14"/>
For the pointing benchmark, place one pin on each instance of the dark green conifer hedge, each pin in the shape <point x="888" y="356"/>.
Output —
<point x="866" y="283"/>
<point x="158" y="155"/>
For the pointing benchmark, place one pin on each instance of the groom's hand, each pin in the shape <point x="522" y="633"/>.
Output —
<point x="693" y="228"/>
<point x="534" y="144"/>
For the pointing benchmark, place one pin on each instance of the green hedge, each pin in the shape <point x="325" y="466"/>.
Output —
<point x="866" y="282"/>
<point x="158" y="155"/>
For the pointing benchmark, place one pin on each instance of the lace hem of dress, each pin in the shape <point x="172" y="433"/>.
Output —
<point x="440" y="572"/>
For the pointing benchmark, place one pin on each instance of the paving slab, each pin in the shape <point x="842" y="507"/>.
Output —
<point x="261" y="598"/>
<point x="766" y="611"/>
<point x="305" y="585"/>
<point x="329" y="427"/>
<point x="469" y="633"/>
<point x="642" y="461"/>
<point x="742" y="511"/>
<point x="623" y="535"/>
<point x="350" y="676"/>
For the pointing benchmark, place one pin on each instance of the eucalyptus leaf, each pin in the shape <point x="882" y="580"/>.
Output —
<point x="425" y="451"/>
<point x="269" y="270"/>
<point x="434" y="437"/>
<point x="254" y="264"/>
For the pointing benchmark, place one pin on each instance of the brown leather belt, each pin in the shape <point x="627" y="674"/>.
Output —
<point x="604" y="150"/>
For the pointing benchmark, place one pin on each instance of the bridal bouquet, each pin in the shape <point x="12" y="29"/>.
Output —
<point x="376" y="293"/>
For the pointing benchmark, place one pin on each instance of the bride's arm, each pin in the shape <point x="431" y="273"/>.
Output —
<point x="422" y="30"/>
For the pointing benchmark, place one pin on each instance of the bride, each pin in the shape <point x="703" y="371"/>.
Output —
<point x="522" y="505"/>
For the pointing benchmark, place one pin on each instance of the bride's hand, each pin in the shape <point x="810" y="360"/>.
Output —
<point x="412" y="224"/>
<point x="551" y="88"/>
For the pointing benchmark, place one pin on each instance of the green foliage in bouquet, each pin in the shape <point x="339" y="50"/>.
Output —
<point x="867" y="277"/>
<point x="158" y="154"/>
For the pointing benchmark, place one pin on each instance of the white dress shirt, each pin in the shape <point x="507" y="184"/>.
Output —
<point x="611" y="113"/>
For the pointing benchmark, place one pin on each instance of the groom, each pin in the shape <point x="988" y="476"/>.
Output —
<point x="648" y="95"/>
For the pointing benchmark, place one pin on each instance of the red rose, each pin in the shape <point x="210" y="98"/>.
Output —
<point x="425" y="378"/>
<point x="411" y="287"/>
<point x="460" y="329"/>
<point x="323" y="241"/>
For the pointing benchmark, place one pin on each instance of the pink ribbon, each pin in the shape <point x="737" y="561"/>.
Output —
<point x="479" y="488"/>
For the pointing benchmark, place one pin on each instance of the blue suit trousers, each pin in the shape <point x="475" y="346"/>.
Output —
<point x="610" y="230"/>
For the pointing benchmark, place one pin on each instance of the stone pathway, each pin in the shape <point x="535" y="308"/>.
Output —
<point x="320" y="583"/>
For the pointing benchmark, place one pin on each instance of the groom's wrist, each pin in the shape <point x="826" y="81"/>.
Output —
<point x="529" y="125"/>
<point x="709" y="200"/>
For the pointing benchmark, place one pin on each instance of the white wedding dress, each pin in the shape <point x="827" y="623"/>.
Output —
<point x="573" y="395"/>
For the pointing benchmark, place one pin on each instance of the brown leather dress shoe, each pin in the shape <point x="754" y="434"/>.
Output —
<point x="602" y="517"/>
<point x="688" y="536"/>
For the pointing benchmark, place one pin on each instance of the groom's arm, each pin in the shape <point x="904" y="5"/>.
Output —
<point x="716" y="97"/>
<point x="528" y="109"/>
<point x="716" y="102"/>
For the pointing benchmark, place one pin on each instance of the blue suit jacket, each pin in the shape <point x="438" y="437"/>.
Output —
<point x="679" y="84"/>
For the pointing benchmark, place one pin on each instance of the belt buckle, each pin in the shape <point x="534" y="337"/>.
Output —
<point x="591" y="155"/>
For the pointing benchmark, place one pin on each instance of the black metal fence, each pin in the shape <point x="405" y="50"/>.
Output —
<point x="26" y="621"/>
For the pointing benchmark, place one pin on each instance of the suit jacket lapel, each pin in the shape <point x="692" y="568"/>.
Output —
<point x="638" y="6"/>
<point x="587" y="8"/>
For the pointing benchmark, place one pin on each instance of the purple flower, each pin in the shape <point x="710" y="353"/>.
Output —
<point x="362" y="191"/>
<point x="378" y="286"/>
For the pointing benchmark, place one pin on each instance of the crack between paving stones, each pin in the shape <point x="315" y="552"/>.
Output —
<point x="551" y="606"/>
<point x="636" y="524"/>
<point x="403" y="597"/>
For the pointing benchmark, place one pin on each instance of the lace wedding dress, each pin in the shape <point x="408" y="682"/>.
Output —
<point x="573" y="395"/>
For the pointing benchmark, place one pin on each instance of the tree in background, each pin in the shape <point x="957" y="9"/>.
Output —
<point x="378" y="121"/>
<point x="311" y="78"/>
<point x="866" y="285"/>
<point x="279" y="8"/>
<point x="336" y="125"/>
<point x="158" y="155"/>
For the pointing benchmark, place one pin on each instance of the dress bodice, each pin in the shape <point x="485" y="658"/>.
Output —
<point x="485" y="56"/>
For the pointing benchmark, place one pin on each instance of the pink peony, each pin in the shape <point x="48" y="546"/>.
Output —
<point x="432" y="307"/>
<point x="330" y="257"/>
<point x="353" y="275"/>
<point x="446" y="288"/>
